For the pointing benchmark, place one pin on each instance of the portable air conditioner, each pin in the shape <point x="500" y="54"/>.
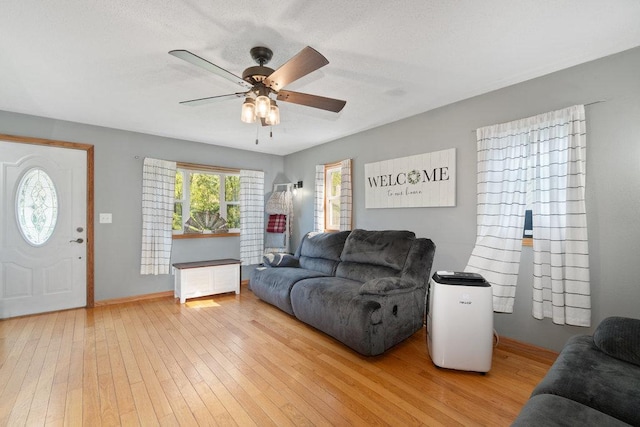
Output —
<point x="460" y="321"/>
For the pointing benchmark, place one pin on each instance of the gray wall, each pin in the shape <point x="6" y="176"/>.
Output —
<point x="613" y="182"/>
<point x="118" y="188"/>
<point x="613" y="186"/>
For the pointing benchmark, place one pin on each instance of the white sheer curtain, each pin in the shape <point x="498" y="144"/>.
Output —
<point x="561" y="284"/>
<point x="545" y="155"/>
<point x="158" y="192"/>
<point x="346" y="204"/>
<point x="318" y="205"/>
<point x="251" y="216"/>
<point x="502" y="183"/>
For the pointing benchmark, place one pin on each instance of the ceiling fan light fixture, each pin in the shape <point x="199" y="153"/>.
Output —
<point x="273" y="117"/>
<point x="259" y="82"/>
<point x="262" y="106"/>
<point x="248" y="114"/>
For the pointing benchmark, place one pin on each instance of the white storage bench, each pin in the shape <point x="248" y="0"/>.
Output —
<point x="201" y="278"/>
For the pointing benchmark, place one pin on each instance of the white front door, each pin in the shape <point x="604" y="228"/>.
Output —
<point x="43" y="199"/>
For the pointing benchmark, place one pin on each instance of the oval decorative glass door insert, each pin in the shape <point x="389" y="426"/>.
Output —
<point x="36" y="206"/>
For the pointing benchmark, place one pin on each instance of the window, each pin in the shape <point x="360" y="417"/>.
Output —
<point x="207" y="201"/>
<point x="332" y="185"/>
<point x="528" y="224"/>
<point x="333" y="205"/>
<point x="527" y="233"/>
<point x="36" y="206"/>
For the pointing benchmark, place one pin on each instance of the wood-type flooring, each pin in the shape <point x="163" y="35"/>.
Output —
<point x="235" y="360"/>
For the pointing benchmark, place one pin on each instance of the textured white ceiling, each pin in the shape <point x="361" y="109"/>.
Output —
<point x="105" y="62"/>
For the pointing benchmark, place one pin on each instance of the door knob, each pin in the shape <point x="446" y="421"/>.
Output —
<point x="78" y="240"/>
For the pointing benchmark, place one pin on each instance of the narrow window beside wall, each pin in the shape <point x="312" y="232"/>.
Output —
<point x="332" y="181"/>
<point x="333" y="199"/>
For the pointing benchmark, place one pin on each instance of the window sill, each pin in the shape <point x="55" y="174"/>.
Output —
<point x="204" y="236"/>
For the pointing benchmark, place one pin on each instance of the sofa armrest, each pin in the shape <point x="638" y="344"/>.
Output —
<point x="386" y="285"/>
<point x="280" y="260"/>
<point x="619" y="337"/>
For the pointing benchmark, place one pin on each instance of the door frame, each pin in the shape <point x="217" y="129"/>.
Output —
<point x="90" y="212"/>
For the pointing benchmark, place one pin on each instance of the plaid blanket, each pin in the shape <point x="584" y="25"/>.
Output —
<point x="277" y="223"/>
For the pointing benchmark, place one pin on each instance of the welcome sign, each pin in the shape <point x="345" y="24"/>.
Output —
<point x="423" y="180"/>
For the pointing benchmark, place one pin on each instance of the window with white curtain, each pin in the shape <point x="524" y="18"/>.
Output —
<point x="333" y="200"/>
<point x="538" y="162"/>
<point x="241" y="197"/>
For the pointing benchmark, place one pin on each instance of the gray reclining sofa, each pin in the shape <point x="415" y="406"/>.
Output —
<point x="365" y="288"/>
<point x="595" y="381"/>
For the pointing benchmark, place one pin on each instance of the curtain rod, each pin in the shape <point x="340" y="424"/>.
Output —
<point x="196" y="166"/>
<point x="586" y="105"/>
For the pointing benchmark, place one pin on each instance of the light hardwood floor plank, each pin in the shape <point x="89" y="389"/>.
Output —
<point x="239" y="378"/>
<point x="90" y="390"/>
<point x="109" y="415"/>
<point x="199" y="371"/>
<point x="121" y="385"/>
<point x="285" y="376"/>
<point x="234" y="360"/>
<point x="204" y="404"/>
<point x="150" y="376"/>
<point x="40" y="402"/>
<point x="58" y="398"/>
<point x="24" y="399"/>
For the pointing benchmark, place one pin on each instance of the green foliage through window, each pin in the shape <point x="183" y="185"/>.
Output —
<point x="333" y="181"/>
<point x="203" y="205"/>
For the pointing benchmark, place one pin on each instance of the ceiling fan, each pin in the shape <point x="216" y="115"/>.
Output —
<point x="260" y="82"/>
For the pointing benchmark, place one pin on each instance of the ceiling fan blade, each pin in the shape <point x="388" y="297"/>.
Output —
<point x="210" y="99"/>
<point x="203" y="63"/>
<point x="315" y="101"/>
<point x="305" y="62"/>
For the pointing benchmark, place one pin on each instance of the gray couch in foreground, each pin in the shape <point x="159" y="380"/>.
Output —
<point x="594" y="382"/>
<point x="365" y="288"/>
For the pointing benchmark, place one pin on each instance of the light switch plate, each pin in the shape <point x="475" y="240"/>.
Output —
<point x="105" y="218"/>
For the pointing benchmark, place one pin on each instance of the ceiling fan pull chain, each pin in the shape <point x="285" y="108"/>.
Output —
<point x="257" y="130"/>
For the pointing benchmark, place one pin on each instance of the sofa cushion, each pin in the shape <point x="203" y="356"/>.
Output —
<point x="273" y="285"/>
<point x="334" y="306"/>
<point x="323" y="245"/>
<point x="321" y="251"/>
<point x="369" y="324"/>
<point x="364" y="272"/>
<point x="589" y="376"/>
<point x="619" y="337"/>
<point x="556" y="411"/>
<point x="383" y="248"/>
<point x="386" y="286"/>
